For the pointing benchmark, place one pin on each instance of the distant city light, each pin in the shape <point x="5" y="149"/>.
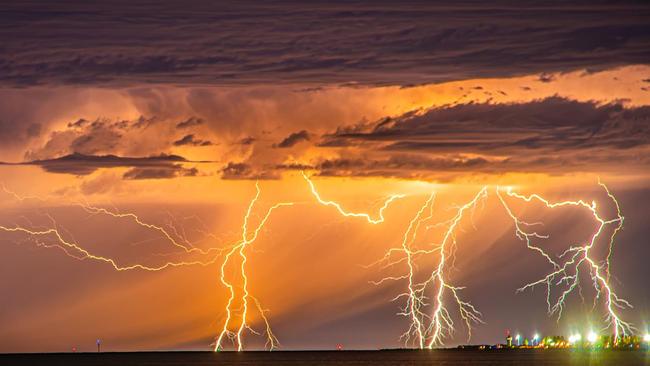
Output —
<point x="592" y="340"/>
<point x="592" y="337"/>
<point x="575" y="338"/>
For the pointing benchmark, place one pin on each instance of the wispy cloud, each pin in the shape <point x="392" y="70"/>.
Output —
<point x="191" y="140"/>
<point x="294" y="139"/>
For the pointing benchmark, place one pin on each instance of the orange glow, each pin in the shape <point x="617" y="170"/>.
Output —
<point x="294" y="257"/>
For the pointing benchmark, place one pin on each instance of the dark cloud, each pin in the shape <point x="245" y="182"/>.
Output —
<point x="546" y="77"/>
<point x="543" y="126"/>
<point x="191" y="140"/>
<point x="294" y="166"/>
<point x="401" y="162"/>
<point x="80" y="164"/>
<point x="293" y="139"/>
<point x="553" y="135"/>
<point x="246" y="171"/>
<point x="161" y="172"/>
<point x="81" y="122"/>
<point x="190" y="122"/>
<point x="214" y="43"/>
<point x="403" y="166"/>
<point x="423" y="166"/>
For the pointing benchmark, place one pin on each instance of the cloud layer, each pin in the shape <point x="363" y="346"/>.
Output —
<point x="553" y="135"/>
<point x="152" y="167"/>
<point x="286" y="42"/>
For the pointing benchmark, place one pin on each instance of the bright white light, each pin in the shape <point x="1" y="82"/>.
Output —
<point x="646" y="337"/>
<point x="592" y="337"/>
<point x="575" y="338"/>
<point x="517" y="337"/>
<point x="536" y="337"/>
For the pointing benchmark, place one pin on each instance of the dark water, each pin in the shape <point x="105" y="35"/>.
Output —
<point x="379" y="358"/>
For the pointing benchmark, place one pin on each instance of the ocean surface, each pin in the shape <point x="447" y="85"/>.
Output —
<point x="378" y="358"/>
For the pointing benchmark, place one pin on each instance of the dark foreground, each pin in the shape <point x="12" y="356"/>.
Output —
<point x="378" y="358"/>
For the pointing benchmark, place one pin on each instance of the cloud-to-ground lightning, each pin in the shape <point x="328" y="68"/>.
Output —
<point x="425" y="335"/>
<point x="76" y="251"/>
<point x="429" y="329"/>
<point x="430" y="304"/>
<point x="413" y="302"/>
<point x="240" y="248"/>
<point x="441" y="321"/>
<point x="568" y="272"/>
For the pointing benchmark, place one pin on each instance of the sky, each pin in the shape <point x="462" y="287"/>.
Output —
<point x="150" y="153"/>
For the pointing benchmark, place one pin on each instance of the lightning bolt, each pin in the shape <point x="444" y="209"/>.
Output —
<point x="414" y="301"/>
<point x="70" y="246"/>
<point x="76" y="251"/>
<point x="240" y="248"/>
<point x="187" y="248"/>
<point x="574" y="258"/>
<point x="20" y="197"/>
<point x="428" y="328"/>
<point x="345" y="213"/>
<point x="83" y="254"/>
<point x="441" y="320"/>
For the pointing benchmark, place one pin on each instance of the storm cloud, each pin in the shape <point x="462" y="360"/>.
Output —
<point x="549" y="125"/>
<point x="550" y="135"/>
<point x="236" y="43"/>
